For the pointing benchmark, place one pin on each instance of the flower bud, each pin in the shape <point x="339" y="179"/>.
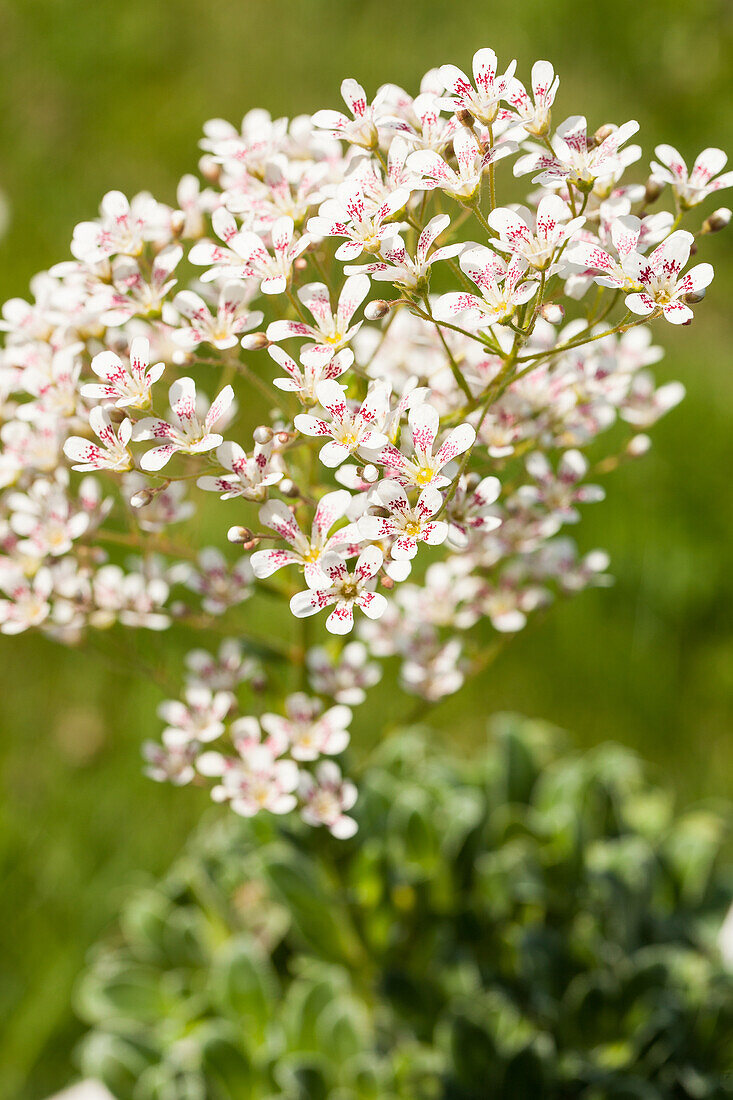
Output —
<point x="374" y="311"/>
<point x="387" y="582"/>
<point x="638" y="445"/>
<point x="141" y="498"/>
<point x="239" y="534"/>
<point x="178" y="221"/>
<point x="716" y="221"/>
<point x="284" y="437"/>
<point x="465" y="117"/>
<point x="288" y="489"/>
<point x="209" y="168"/>
<point x="370" y="473"/>
<point x="255" y="341"/>
<point x="117" y="415"/>
<point x="300" y="264"/>
<point x="552" y="312"/>
<point x="600" y="136"/>
<point x="653" y="189"/>
<point x="262" y="434"/>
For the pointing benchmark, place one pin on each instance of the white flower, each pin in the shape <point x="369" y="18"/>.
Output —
<point x="189" y="433"/>
<point x="502" y="288"/>
<point x="576" y="159"/>
<point x="306" y="550"/>
<point x="349" y="429"/>
<point x="331" y="331"/>
<point x="28" y="600"/>
<point x="326" y="797"/>
<point x="434" y="172"/>
<point x="113" y="454"/>
<point x="123" y="228"/>
<point x="199" y="718"/>
<point x="361" y="129"/>
<point x="344" y="590"/>
<point x="345" y="678"/>
<point x="305" y="731"/>
<point x="482" y="101"/>
<point x="249" y="476"/>
<point x="222" y="329"/>
<point x="125" y="386"/>
<point x="425" y="467"/>
<point x="553" y="226"/>
<point x="396" y="266"/>
<point x="405" y="525"/>
<point x="693" y="187"/>
<point x="351" y="215"/>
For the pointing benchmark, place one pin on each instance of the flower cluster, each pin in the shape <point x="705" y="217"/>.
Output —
<point x="274" y="763"/>
<point x="404" y="458"/>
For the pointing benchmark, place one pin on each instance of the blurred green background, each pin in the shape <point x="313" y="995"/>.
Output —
<point x="96" y="94"/>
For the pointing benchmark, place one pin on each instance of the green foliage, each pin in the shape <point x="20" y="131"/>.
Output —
<point x="532" y="922"/>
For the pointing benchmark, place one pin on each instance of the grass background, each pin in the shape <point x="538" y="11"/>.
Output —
<point x="96" y="94"/>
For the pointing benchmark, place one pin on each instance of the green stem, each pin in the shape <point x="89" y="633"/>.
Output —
<point x="457" y="374"/>
<point x="492" y="181"/>
<point x="621" y="327"/>
<point x="482" y="220"/>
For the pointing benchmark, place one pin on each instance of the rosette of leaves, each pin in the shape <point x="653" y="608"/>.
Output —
<point x="530" y="923"/>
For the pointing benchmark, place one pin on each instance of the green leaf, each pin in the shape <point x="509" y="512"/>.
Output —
<point x="319" y="914"/>
<point x="243" y="987"/>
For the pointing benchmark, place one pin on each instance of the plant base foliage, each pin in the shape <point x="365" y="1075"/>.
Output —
<point x="531" y="923"/>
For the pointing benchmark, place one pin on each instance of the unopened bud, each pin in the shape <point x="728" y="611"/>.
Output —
<point x="465" y="117"/>
<point x="117" y="415"/>
<point x="255" y="341"/>
<point x="638" y="445"/>
<point x="262" y="434"/>
<point x="387" y="582"/>
<point x="600" y="135"/>
<point x="552" y="312"/>
<point x="178" y="220"/>
<point x="370" y="473"/>
<point x="283" y="438"/>
<point x="300" y="264"/>
<point x="288" y="489"/>
<point x="374" y="311"/>
<point x="239" y="534"/>
<point x="716" y="221"/>
<point x="209" y="168"/>
<point x="141" y="498"/>
<point x="653" y="189"/>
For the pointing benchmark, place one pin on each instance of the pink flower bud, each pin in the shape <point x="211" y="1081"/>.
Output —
<point x="638" y="445"/>
<point x="255" y="341"/>
<point x="717" y="220"/>
<point x="239" y="534"/>
<point x="374" y="311"/>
